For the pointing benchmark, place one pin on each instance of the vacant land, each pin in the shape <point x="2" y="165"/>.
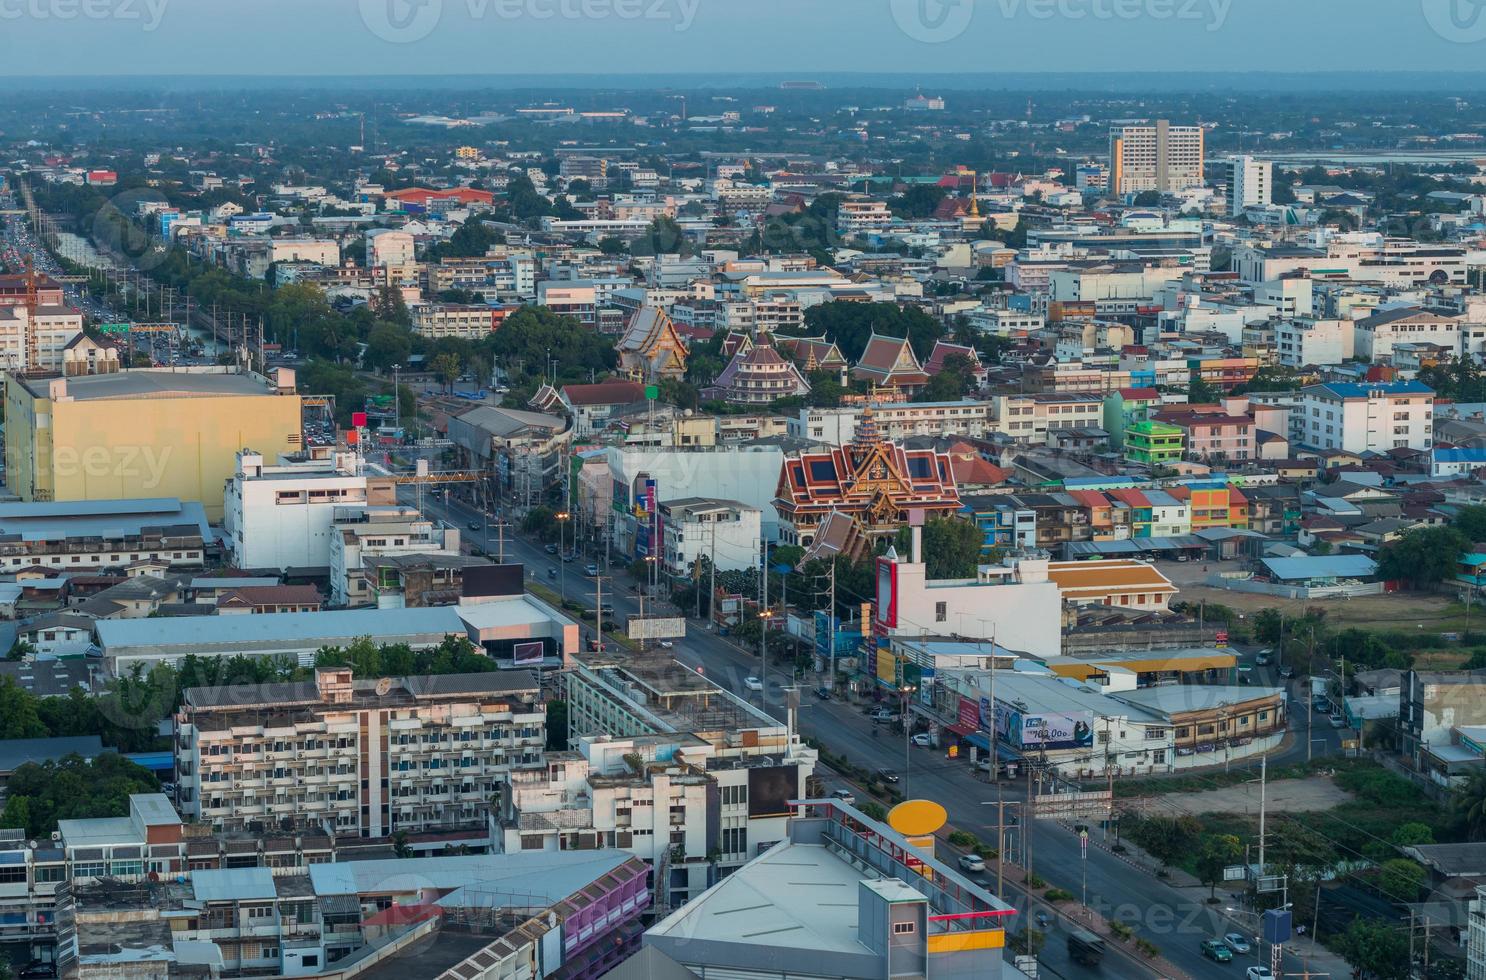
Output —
<point x="1399" y="612"/>
<point x="1310" y="795"/>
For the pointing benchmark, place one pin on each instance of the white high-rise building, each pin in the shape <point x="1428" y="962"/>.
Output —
<point x="1155" y="157"/>
<point x="1250" y="184"/>
<point x="281" y="516"/>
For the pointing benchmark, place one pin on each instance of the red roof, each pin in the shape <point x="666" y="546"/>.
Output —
<point x="422" y="195"/>
<point x="1140" y="394"/>
<point x="605" y="393"/>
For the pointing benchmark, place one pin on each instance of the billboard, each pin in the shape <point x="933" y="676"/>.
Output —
<point x="887" y="593"/>
<point x="770" y="788"/>
<point x="1074" y="730"/>
<point x="656" y="629"/>
<point x="529" y="652"/>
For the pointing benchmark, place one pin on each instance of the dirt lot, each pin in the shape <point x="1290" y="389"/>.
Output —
<point x="1398" y="612"/>
<point x="1282" y="796"/>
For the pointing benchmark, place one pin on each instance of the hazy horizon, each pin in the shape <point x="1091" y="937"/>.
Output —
<point x="552" y="38"/>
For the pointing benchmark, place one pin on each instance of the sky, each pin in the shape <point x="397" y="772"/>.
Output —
<point x="794" y="37"/>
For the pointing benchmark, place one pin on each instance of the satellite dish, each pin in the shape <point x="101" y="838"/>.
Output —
<point x="384" y="686"/>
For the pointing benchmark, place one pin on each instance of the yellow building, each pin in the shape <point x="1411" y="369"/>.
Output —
<point x="139" y="434"/>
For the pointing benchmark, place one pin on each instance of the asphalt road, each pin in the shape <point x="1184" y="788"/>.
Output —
<point x="1176" y="921"/>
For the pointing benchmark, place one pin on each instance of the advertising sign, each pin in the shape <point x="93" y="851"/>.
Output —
<point x="527" y="653"/>
<point x="969" y="714"/>
<point x="1046" y="731"/>
<point x="656" y="629"/>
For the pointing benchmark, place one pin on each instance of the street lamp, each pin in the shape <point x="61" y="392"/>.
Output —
<point x="907" y="691"/>
<point x="562" y="572"/>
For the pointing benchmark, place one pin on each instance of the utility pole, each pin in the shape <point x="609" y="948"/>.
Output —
<point x="763" y="633"/>
<point x="831" y="624"/>
<point x="1263" y="777"/>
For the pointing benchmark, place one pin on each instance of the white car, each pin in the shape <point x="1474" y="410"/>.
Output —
<point x="753" y="683"/>
<point x="1237" y="942"/>
<point x="921" y="740"/>
<point x="1258" y="973"/>
<point x="973" y="863"/>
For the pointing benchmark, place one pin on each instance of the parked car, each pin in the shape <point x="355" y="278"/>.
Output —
<point x="1262" y="658"/>
<point x="845" y="796"/>
<point x="922" y="740"/>
<point x="973" y="863"/>
<point x="1337" y="721"/>
<point x="1214" y="950"/>
<point x="1237" y="942"/>
<point x="753" y="683"/>
<point x="823" y="693"/>
<point x="37" y="970"/>
<point x="666" y="644"/>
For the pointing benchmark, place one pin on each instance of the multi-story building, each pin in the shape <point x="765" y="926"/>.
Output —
<point x="101" y="534"/>
<point x="358" y="758"/>
<point x="1155" y="157"/>
<point x="280" y="516"/>
<point x="862" y="216"/>
<point x="467" y="322"/>
<point x="757" y="374"/>
<point x="143" y="433"/>
<point x="1379" y="334"/>
<point x="577" y="300"/>
<point x="1366" y="257"/>
<point x="1027" y="418"/>
<point x="1306" y="340"/>
<point x="767" y="314"/>
<point x="897" y="421"/>
<point x="726" y="531"/>
<point x="700" y="750"/>
<point x="56" y="328"/>
<point x="1366" y="417"/>
<point x="358" y="534"/>
<point x="512" y="276"/>
<point x="1250" y="184"/>
<point x="1152" y="443"/>
<point x="388" y="247"/>
<point x="1211" y="432"/>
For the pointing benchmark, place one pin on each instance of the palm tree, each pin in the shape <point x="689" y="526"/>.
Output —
<point x="1470" y="805"/>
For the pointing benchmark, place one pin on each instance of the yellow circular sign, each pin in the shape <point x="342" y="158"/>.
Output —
<point x="915" y="818"/>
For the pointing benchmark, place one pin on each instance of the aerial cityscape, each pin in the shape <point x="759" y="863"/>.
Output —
<point x="795" y="490"/>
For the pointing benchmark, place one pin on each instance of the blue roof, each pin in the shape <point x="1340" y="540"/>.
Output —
<point x="202" y="634"/>
<point x="1345" y="390"/>
<point x="1321" y="566"/>
<point x="1460" y="455"/>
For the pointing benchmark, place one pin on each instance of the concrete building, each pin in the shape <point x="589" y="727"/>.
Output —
<point x="366" y="758"/>
<point x="1306" y="340"/>
<point x="897" y="421"/>
<point x="868" y="911"/>
<point x="862" y="216"/>
<point x="103" y="534"/>
<point x="360" y="534"/>
<point x="143" y="433"/>
<point x="729" y="533"/>
<point x="1155" y="157"/>
<point x="298" y="636"/>
<point x="1378" y="335"/>
<point x="1250" y="184"/>
<point x="1366" y="417"/>
<point x="57" y="329"/>
<point x="465" y="321"/>
<point x="280" y="516"/>
<point x="1027" y="418"/>
<point x="389" y="247"/>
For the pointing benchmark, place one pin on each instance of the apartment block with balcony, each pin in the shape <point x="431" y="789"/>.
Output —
<point x="1152" y="443"/>
<point x="421" y="755"/>
<point x="359" y="536"/>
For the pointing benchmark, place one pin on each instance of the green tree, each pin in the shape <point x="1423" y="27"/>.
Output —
<point x="1215" y="854"/>
<point x="1423" y="556"/>
<point x="37" y="796"/>
<point x="447" y="366"/>
<point x="950" y="384"/>
<point x="1471" y="522"/>
<point x="1199" y="392"/>
<point x="612" y="246"/>
<point x="1376" y="947"/>
<point x="1148" y="199"/>
<point x="386" y="345"/>
<point x="1469" y="805"/>
<point x="951" y="547"/>
<point x="557" y="726"/>
<point x="1412" y="833"/>
<point x="1401" y="880"/>
<point x="18" y="714"/>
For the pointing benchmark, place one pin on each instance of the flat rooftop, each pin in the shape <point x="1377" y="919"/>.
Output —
<point x="794" y="896"/>
<point x="140" y="384"/>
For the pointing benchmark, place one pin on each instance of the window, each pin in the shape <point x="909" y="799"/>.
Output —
<point x="941" y="611"/>
<point x="904" y="928"/>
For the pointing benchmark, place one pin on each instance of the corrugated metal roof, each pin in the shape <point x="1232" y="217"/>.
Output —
<point x="1321" y="566"/>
